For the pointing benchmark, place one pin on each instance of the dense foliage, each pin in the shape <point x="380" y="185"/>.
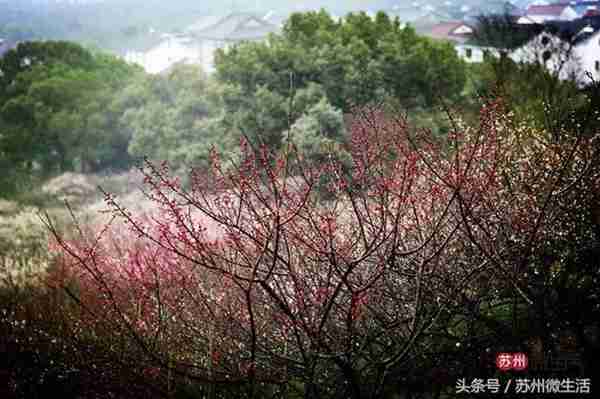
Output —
<point x="58" y="110"/>
<point x="357" y="61"/>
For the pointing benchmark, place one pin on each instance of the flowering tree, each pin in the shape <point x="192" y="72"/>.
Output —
<point x="252" y="277"/>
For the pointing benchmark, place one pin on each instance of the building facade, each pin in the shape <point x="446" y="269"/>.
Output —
<point x="199" y="41"/>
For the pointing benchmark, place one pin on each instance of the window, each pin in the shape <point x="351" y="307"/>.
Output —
<point x="469" y="52"/>
<point x="545" y="41"/>
<point x="546" y="55"/>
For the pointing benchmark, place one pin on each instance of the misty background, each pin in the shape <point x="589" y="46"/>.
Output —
<point x="121" y="25"/>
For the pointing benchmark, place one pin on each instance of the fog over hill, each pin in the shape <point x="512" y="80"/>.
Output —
<point x="137" y="24"/>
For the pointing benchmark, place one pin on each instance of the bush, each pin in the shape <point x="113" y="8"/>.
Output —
<point x="24" y="257"/>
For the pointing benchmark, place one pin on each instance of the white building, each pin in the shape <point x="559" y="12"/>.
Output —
<point x="588" y="54"/>
<point x="234" y="28"/>
<point x="200" y="40"/>
<point x="171" y="50"/>
<point x="550" y="50"/>
<point x="566" y="59"/>
<point x="474" y="54"/>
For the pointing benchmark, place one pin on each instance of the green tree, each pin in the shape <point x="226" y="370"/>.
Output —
<point x="360" y="61"/>
<point x="177" y="117"/>
<point x="319" y="132"/>
<point x="57" y="109"/>
<point x="534" y="94"/>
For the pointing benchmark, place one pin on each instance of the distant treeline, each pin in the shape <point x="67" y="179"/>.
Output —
<point x="66" y="108"/>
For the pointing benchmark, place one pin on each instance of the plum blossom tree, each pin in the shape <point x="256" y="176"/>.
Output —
<point x="251" y="277"/>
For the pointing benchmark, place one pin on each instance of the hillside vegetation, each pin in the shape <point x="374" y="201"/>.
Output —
<point x="344" y="211"/>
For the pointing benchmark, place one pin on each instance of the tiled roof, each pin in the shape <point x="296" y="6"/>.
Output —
<point x="237" y="26"/>
<point x="546" y="10"/>
<point x="446" y="31"/>
<point x="582" y="7"/>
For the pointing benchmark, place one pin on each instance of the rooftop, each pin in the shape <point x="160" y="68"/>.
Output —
<point x="235" y="27"/>
<point x="554" y="9"/>
<point x="456" y="31"/>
